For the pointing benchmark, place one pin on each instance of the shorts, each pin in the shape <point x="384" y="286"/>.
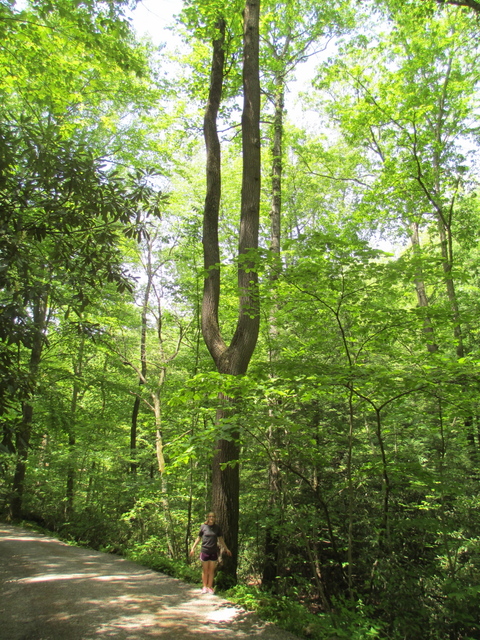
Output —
<point x="209" y="557"/>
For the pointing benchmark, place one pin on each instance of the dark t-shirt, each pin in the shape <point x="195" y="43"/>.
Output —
<point x="209" y="535"/>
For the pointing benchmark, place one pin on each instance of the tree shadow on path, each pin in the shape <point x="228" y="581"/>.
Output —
<point x="52" y="591"/>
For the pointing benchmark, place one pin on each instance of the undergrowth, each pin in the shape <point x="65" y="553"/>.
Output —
<point x="151" y="555"/>
<point x="345" y="622"/>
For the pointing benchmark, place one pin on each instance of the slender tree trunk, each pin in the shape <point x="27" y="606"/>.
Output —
<point x="273" y="536"/>
<point x="77" y="373"/>
<point x="194" y="423"/>
<point x="133" y="435"/>
<point x="157" y="405"/>
<point x="188" y="528"/>
<point x="420" y="289"/>
<point x="447" y="256"/>
<point x="386" y="486"/>
<point x="156" y="396"/>
<point x="446" y="245"/>
<point x="277" y="168"/>
<point x="7" y="438"/>
<point x="444" y="216"/>
<point x="351" y="492"/>
<point x="316" y="571"/>
<point x="91" y="481"/>
<point x="23" y="434"/>
<point x="143" y="365"/>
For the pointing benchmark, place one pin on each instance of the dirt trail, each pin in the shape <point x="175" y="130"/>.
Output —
<point x="51" y="591"/>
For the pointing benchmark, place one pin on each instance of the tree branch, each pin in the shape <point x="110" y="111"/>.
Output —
<point x="470" y="4"/>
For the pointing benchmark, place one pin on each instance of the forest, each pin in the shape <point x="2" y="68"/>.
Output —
<point x="214" y="296"/>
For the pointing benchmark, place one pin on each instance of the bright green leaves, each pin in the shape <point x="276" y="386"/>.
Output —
<point x="201" y="18"/>
<point x="407" y="99"/>
<point x="60" y="61"/>
<point x="69" y="74"/>
<point x="201" y="21"/>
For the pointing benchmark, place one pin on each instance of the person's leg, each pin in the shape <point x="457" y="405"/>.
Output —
<point x="205" y="573"/>
<point x="210" y="573"/>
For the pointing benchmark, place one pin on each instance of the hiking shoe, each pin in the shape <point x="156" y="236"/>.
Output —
<point x="210" y="590"/>
<point x="205" y="590"/>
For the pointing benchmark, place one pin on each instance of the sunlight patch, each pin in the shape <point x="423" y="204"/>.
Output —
<point x="57" y="576"/>
<point x="121" y="576"/>
<point x="138" y="622"/>
<point x="223" y="615"/>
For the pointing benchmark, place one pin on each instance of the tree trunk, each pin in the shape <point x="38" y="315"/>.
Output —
<point x="157" y="406"/>
<point x="470" y="4"/>
<point x="226" y="496"/>
<point x="77" y="372"/>
<point x="211" y="249"/>
<point x="133" y="435"/>
<point x="235" y="358"/>
<point x="420" y="289"/>
<point x="273" y="537"/>
<point x="444" y="232"/>
<point x="24" y="431"/>
<point x="143" y="365"/>
<point x="277" y="167"/>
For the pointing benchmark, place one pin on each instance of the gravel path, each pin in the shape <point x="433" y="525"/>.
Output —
<point x="51" y="591"/>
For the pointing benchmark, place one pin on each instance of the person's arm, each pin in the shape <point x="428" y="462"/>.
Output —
<point x="192" y="551"/>
<point x="221" y="542"/>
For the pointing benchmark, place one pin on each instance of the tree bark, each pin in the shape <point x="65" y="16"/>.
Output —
<point x="24" y="431"/>
<point x="133" y="435"/>
<point x="235" y="358"/>
<point x="77" y="372"/>
<point x="277" y="167"/>
<point x="469" y="4"/>
<point x="444" y="232"/>
<point x="422" y="298"/>
<point x="273" y="538"/>
<point x="143" y="365"/>
<point x="211" y="248"/>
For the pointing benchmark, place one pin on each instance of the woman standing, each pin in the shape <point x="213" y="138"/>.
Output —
<point x="210" y="535"/>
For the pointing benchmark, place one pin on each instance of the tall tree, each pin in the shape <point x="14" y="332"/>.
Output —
<point x="234" y="358"/>
<point x="412" y="120"/>
<point x="292" y="32"/>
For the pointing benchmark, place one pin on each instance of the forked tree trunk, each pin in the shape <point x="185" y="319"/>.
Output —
<point x="235" y="358"/>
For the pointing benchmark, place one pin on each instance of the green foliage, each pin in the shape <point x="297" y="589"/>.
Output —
<point x="344" y="622"/>
<point x="152" y="554"/>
